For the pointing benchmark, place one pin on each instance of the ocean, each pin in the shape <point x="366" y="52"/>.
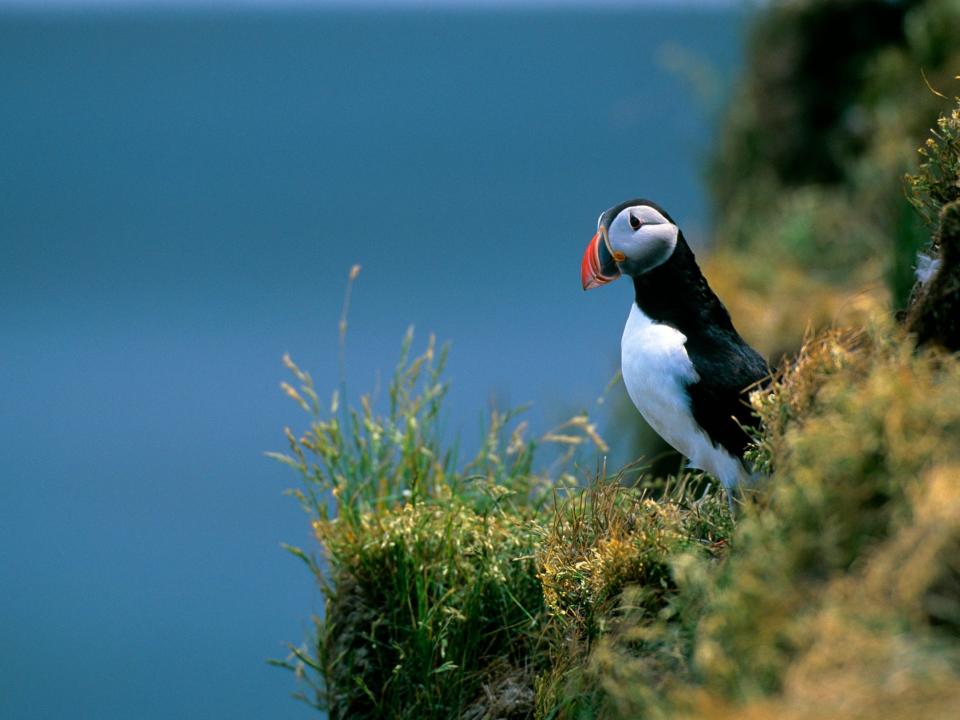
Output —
<point x="182" y="194"/>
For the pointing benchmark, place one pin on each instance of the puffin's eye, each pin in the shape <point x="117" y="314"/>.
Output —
<point x="635" y="222"/>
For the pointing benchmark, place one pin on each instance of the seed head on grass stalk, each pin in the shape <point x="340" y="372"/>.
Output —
<point x="429" y="570"/>
<point x="937" y="180"/>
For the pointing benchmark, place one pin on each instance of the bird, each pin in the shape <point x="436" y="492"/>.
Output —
<point x="684" y="365"/>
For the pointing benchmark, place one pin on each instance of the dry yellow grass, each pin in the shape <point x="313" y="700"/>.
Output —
<point x="776" y="305"/>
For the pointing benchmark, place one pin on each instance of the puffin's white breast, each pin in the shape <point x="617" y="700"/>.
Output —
<point x="656" y="370"/>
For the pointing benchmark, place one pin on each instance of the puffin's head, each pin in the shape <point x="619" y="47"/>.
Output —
<point x="632" y="238"/>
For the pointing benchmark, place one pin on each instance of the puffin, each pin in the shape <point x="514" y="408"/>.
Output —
<point x="685" y="366"/>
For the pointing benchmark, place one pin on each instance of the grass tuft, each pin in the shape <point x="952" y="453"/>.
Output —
<point x="433" y="603"/>
<point x="937" y="181"/>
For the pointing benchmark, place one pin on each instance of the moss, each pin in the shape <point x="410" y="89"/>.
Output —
<point x="881" y="641"/>
<point x="840" y="593"/>
<point x="850" y="430"/>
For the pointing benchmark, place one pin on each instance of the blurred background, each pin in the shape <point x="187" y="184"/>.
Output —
<point x="183" y="190"/>
<point x="184" y="187"/>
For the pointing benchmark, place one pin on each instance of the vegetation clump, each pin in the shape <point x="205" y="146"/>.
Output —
<point x="609" y="537"/>
<point x="934" y="312"/>
<point x="851" y="431"/>
<point x="937" y="182"/>
<point x="425" y="596"/>
<point x="609" y="569"/>
<point x="428" y="573"/>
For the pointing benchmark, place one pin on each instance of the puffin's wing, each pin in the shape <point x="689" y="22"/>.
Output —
<point x="718" y="399"/>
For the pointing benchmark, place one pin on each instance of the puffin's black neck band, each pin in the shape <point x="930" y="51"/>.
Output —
<point x="676" y="293"/>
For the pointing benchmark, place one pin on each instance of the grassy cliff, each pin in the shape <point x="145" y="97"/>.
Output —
<point x="491" y="589"/>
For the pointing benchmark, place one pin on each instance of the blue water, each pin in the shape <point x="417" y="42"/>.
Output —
<point x="181" y="196"/>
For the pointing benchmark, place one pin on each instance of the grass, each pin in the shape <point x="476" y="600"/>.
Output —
<point x="469" y="591"/>
<point x="837" y="591"/>
<point x="433" y="603"/>
<point x="485" y="592"/>
<point x="937" y="181"/>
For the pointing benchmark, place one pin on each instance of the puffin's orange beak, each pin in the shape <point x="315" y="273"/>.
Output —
<point x="594" y="272"/>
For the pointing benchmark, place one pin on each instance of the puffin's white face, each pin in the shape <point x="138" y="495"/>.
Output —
<point x="640" y="238"/>
<point x="631" y="239"/>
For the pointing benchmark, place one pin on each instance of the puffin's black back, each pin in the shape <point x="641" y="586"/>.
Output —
<point x="676" y="294"/>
